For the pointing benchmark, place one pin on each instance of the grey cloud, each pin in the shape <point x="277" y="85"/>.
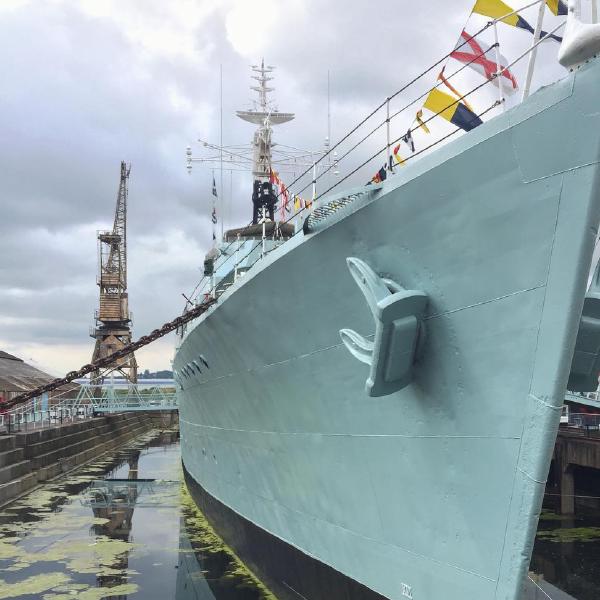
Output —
<point x="78" y="97"/>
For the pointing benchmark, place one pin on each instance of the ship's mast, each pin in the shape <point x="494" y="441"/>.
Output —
<point x="262" y="88"/>
<point x="265" y="116"/>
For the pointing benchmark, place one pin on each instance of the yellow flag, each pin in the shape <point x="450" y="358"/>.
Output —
<point x="441" y="103"/>
<point x="421" y="123"/>
<point x="452" y="110"/>
<point x="558" y="7"/>
<point x="496" y="9"/>
<point x="398" y="158"/>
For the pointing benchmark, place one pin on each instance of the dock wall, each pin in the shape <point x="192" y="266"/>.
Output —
<point x="33" y="457"/>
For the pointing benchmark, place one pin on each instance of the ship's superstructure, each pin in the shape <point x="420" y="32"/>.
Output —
<point x="370" y="411"/>
<point x="265" y="115"/>
<point x="113" y="319"/>
<point x="245" y="245"/>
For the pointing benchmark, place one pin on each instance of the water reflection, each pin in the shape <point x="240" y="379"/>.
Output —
<point x="567" y="552"/>
<point x="121" y="527"/>
<point x="124" y="527"/>
<point x="117" y="514"/>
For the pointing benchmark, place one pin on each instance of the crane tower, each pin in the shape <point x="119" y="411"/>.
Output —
<point x="113" y="320"/>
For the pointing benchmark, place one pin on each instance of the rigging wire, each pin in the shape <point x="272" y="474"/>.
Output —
<point x="402" y="110"/>
<point x="197" y="310"/>
<point x="494" y="105"/>
<point x="538" y="586"/>
<point x="411" y="129"/>
<point x="396" y="93"/>
<point x="362" y="122"/>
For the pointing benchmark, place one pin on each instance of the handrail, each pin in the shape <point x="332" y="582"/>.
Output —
<point x="207" y="288"/>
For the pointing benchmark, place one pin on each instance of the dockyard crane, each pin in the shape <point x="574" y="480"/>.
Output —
<point x="113" y="319"/>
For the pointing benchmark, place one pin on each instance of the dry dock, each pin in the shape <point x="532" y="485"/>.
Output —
<point x="28" y="458"/>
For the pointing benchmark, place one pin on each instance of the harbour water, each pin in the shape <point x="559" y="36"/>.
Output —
<point x="567" y="553"/>
<point x="121" y="527"/>
<point x="124" y="526"/>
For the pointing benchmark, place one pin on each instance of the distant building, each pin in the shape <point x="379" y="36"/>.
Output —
<point x="156" y="375"/>
<point x="16" y="377"/>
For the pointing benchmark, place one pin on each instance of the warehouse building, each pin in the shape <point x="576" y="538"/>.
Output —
<point x="16" y="377"/>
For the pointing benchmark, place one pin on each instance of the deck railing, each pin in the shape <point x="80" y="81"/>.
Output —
<point x="378" y="126"/>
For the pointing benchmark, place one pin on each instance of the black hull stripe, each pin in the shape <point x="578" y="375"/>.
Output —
<point x="286" y="571"/>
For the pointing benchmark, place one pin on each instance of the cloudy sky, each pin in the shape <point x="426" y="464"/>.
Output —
<point x="88" y="83"/>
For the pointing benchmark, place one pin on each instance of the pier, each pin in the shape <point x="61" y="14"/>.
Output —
<point x="574" y="476"/>
<point x="573" y="452"/>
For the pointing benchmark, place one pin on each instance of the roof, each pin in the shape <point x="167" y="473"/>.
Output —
<point x="17" y="376"/>
<point x="9" y="356"/>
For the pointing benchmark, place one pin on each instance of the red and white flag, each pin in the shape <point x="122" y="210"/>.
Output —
<point x="482" y="58"/>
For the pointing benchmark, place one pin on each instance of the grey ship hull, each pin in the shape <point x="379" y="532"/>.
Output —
<point x="433" y="491"/>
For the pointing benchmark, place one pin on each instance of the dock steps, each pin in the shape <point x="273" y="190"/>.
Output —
<point x="13" y="471"/>
<point x="32" y="457"/>
<point x="9" y="457"/>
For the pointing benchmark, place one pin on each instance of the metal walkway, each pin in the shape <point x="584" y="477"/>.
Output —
<point x="588" y="398"/>
<point x="127" y="397"/>
<point x="116" y="396"/>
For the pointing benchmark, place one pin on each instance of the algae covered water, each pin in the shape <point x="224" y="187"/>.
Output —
<point x="125" y="527"/>
<point x="121" y="527"/>
<point x="567" y="553"/>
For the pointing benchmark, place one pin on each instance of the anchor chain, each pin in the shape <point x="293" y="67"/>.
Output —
<point x="109" y="360"/>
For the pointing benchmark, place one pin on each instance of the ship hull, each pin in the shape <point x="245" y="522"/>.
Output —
<point x="432" y="491"/>
<point x="282" y="567"/>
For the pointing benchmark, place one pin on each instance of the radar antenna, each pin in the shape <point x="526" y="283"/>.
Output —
<point x="265" y="116"/>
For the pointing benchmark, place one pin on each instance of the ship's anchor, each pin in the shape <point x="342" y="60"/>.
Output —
<point x="399" y="331"/>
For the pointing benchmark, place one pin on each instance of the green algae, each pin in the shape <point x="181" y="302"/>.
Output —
<point x="36" y="584"/>
<point x="575" y="534"/>
<point x="548" y="515"/>
<point x="53" y="524"/>
<point x="78" y="556"/>
<point x="9" y="550"/>
<point x="70" y="587"/>
<point x="204" y="538"/>
<point x="85" y="592"/>
<point x="39" y="500"/>
<point x="89" y="557"/>
<point x="18" y="566"/>
<point x="123" y="589"/>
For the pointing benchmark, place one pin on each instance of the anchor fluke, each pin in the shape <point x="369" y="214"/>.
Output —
<point x="581" y="41"/>
<point x="398" y="315"/>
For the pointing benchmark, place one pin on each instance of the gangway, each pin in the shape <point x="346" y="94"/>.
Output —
<point x="150" y="395"/>
<point x="586" y="398"/>
<point x="128" y="397"/>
